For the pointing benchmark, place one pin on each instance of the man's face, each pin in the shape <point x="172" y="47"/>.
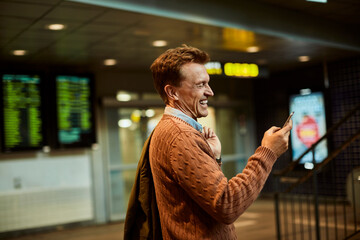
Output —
<point x="194" y="90"/>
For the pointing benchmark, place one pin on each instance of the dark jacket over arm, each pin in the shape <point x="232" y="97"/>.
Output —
<point x="142" y="217"/>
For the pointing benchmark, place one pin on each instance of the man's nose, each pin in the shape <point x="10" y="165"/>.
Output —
<point x="209" y="91"/>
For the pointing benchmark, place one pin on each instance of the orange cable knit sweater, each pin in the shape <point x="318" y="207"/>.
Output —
<point x="195" y="199"/>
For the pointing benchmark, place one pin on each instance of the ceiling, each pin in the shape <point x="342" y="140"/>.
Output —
<point x="94" y="33"/>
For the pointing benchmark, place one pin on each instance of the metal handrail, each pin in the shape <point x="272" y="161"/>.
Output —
<point x="352" y="235"/>
<point x="325" y="161"/>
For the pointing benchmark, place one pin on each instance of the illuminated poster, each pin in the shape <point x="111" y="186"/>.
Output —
<point x="74" y="114"/>
<point x="309" y="124"/>
<point x="22" y="124"/>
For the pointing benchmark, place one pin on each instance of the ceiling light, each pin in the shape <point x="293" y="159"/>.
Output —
<point x="319" y="1"/>
<point x="55" y="27"/>
<point x="110" y="62"/>
<point x="122" y="96"/>
<point x="124" y="123"/>
<point x="304" y="58"/>
<point x="141" y="33"/>
<point x="252" y="49"/>
<point x="19" y="52"/>
<point x="150" y="113"/>
<point x="159" y="43"/>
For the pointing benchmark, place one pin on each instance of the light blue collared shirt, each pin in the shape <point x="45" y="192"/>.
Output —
<point x="177" y="113"/>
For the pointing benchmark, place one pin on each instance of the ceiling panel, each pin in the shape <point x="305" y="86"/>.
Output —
<point x="11" y="28"/>
<point x="95" y="33"/>
<point x="43" y="2"/>
<point x="69" y="48"/>
<point x="114" y="18"/>
<point x="100" y="29"/>
<point x="40" y="35"/>
<point x="13" y="23"/>
<point x="23" y="10"/>
<point x="80" y="39"/>
<point x="74" y="14"/>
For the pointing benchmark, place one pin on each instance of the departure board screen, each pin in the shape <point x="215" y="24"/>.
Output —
<point x="21" y="112"/>
<point x="74" y="111"/>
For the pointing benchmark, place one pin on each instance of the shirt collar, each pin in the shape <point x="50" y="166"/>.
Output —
<point x="177" y="113"/>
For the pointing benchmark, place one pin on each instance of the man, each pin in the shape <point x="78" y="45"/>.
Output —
<point x="194" y="198"/>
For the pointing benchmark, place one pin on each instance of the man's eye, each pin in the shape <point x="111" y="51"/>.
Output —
<point x="201" y="84"/>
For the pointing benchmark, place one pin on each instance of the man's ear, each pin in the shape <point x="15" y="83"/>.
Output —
<point x="171" y="92"/>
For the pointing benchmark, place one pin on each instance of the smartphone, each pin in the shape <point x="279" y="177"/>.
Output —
<point x="288" y="119"/>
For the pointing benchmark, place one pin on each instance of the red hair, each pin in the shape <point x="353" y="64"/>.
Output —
<point x="166" y="68"/>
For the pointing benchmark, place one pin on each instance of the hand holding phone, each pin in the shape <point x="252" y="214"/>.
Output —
<point x="277" y="139"/>
<point x="288" y="119"/>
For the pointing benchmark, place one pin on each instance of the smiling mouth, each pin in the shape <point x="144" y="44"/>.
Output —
<point x="203" y="102"/>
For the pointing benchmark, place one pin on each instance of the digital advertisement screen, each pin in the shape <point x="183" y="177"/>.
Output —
<point x="309" y="124"/>
<point x="74" y="111"/>
<point x="21" y="112"/>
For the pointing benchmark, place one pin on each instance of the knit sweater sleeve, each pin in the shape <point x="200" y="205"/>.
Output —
<point x="198" y="173"/>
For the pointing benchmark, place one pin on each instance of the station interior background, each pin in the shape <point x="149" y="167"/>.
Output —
<point x="91" y="185"/>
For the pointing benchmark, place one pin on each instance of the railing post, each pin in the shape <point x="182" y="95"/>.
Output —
<point x="316" y="200"/>
<point x="277" y="216"/>
<point x="353" y="180"/>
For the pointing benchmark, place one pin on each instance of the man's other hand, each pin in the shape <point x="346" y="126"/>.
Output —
<point x="213" y="141"/>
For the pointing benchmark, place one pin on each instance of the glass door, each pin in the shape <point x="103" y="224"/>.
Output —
<point x="128" y="129"/>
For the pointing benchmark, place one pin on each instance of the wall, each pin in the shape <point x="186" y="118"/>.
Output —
<point x="42" y="189"/>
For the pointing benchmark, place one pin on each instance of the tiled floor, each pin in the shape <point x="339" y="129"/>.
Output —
<point x="257" y="223"/>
